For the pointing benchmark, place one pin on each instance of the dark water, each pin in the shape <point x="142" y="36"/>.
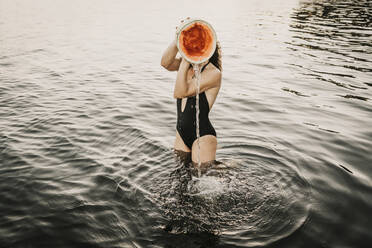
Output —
<point x="88" y="123"/>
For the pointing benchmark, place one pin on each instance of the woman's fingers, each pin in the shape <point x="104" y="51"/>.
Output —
<point x="182" y="21"/>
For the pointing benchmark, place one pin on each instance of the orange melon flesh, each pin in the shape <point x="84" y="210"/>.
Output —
<point x="196" y="41"/>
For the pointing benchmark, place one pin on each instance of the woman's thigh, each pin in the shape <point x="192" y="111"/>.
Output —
<point x="179" y="144"/>
<point x="208" y="147"/>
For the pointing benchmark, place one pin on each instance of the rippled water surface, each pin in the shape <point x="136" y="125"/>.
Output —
<point x="87" y="124"/>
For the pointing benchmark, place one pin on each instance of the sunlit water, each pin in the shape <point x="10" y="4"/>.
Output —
<point x="87" y="125"/>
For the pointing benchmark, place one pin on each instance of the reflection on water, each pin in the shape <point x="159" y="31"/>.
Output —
<point x="333" y="40"/>
<point x="87" y="124"/>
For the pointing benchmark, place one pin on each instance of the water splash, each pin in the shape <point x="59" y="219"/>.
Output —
<point x="253" y="201"/>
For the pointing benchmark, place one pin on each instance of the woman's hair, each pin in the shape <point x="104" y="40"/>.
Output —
<point x="216" y="57"/>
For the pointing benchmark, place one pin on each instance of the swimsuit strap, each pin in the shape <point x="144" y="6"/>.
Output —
<point x="205" y="66"/>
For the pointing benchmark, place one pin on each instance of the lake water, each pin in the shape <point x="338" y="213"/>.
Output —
<point x="88" y="121"/>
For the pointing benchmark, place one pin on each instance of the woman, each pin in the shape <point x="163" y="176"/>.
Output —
<point x="185" y="92"/>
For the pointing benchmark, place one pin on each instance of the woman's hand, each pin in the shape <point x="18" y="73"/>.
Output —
<point x="179" y="27"/>
<point x="184" y="64"/>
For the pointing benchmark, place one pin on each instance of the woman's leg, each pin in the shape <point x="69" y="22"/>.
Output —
<point x="208" y="147"/>
<point x="182" y="156"/>
<point x="179" y="144"/>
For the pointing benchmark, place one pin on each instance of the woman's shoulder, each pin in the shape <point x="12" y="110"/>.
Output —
<point x="213" y="69"/>
<point x="214" y="72"/>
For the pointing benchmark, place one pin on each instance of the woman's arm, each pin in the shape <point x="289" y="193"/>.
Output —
<point x="169" y="60"/>
<point x="185" y="88"/>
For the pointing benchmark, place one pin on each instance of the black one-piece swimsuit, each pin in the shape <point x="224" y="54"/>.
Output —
<point x="186" y="120"/>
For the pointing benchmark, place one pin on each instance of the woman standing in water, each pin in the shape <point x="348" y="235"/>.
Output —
<point x="185" y="91"/>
